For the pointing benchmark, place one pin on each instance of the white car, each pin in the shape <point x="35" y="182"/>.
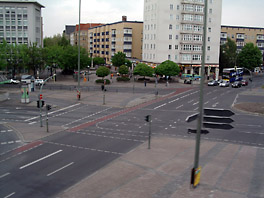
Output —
<point x="39" y="82"/>
<point x="12" y="81"/>
<point x="224" y="83"/>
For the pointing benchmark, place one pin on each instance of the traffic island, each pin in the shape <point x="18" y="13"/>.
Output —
<point x="252" y="107"/>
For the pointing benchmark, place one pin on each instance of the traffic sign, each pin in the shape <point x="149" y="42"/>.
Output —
<point x="218" y="112"/>
<point x="213" y="125"/>
<point x="218" y="119"/>
<point x="192" y="117"/>
<point x="195" y="131"/>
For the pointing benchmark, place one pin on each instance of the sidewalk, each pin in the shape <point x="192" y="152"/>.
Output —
<point x="228" y="171"/>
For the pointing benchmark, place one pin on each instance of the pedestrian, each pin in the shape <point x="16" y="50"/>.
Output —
<point x="145" y="82"/>
<point x="102" y="87"/>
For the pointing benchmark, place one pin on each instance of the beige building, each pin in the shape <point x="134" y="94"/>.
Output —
<point x="124" y="36"/>
<point x="243" y="35"/>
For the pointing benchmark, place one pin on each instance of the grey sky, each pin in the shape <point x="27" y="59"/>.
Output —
<point x="58" y="13"/>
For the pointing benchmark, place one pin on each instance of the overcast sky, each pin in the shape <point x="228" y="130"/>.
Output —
<point x="58" y="13"/>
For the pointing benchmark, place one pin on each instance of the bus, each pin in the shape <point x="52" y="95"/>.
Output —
<point x="233" y="74"/>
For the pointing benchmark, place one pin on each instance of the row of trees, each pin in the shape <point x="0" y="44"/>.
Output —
<point x="249" y="57"/>
<point x="167" y="68"/>
<point x="56" y="51"/>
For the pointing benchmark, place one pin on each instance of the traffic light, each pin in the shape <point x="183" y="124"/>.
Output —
<point x="42" y="103"/>
<point x="48" y="107"/>
<point x="148" y="118"/>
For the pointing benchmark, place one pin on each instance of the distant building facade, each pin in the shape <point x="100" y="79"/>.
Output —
<point x="69" y="29"/>
<point x="21" y="22"/>
<point x="173" y="30"/>
<point x="243" y="35"/>
<point x="124" y="36"/>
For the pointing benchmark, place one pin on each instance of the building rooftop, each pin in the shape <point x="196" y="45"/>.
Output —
<point x="242" y="27"/>
<point x="22" y="1"/>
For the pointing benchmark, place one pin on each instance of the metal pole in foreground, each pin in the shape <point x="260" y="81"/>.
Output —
<point x="149" y="132"/>
<point x="200" y="117"/>
<point x="79" y="49"/>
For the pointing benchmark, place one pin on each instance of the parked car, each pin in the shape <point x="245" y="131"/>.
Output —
<point x="27" y="79"/>
<point x="12" y="81"/>
<point x="244" y="82"/>
<point x="39" y="82"/>
<point x="219" y="81"/>
<point x="212" y="83"/>
<point x="224" y="83"/>
<point x="188" y="81"/>
<point x="237" y="84"/>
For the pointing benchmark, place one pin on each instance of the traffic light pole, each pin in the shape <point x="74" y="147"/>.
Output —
<point x="47" y="119"/>
<point x="40" y="99"/>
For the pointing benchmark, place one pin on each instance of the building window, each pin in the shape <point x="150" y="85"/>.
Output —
<point x="170" y="37"/>
<point x="169" y="47"/>
<point x="176" y="57"/>
<point x="186" y="57"/>
<point x="209" y="39"/>
<point x="187" y="37"/>
<point x="210" y="10"/>
<point x="177" y="37"/>
<point x="170" y="27"/>
<point x="187" y="48"/>
<point x="208" y="48"/>
<point x="196" y="57"/>
<point x="171" y="6"/>
<point x="176" y="47"/>
<point x="169" y="57"/>
<point x="209" y="29"/>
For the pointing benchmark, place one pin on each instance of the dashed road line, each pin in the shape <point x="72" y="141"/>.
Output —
<point x="60" y="169"/>
<point x="160" y="106"/>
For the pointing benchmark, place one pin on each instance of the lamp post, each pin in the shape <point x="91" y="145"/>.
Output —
<point x="79" y="47"/>
<point x="88" y="72"/>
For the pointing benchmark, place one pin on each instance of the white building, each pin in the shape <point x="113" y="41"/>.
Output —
<point x="173" y="30"/>
<point x="21" y="22"/>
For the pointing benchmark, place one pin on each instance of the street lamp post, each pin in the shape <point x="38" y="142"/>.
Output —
<point x="88" y="72"/>
<point x="79" y="47"/>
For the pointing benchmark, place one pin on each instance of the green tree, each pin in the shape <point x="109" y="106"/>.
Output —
<point x="123" y="70"/>
<point x="3" y="55"/>
<point x="228" y="54"/>
<point x="34" y="58"/>
<point x="102" y="71"/>
<point x="98" y="61"/>
<point x="250" y="56"/>
<point x="119" y="59"/>
<point x="167" y="68"/>
<point x="143" y="70"/>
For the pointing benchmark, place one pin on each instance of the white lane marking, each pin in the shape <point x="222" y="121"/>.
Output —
<point x="209" y="93"/>
<point x="10" y="142"/>
<point x="173" y="100"/>
<point x="179" y="106"/>
<point x="160" y="106"/>
<point x="214" y="105"/>
<point x="250" y="125"/>
<point x="4" y="175"/>
<point x="196" y="108"/>
<point x="214" y="98"/>
<point x="54" y="111"/>
<point x="10" y="195"/>
<point x="206" y="102"/>
<point x="190" y="101"/>
<point x="195" y="103"/>
<point x="60" y="169"/>
<point x="235" y="101"/>
<point x="47" y="156"/>
<point x="32" y="123"/>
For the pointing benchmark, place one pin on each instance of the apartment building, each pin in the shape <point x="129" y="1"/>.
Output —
<point x="21" y="22"/>
<point x="173" y="30"/>
<point x="74" y="36"/>
<point x="123" y="36"/>
<point x="243" y="35"/>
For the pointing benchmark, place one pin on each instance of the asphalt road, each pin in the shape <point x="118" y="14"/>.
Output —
<point x="95" y="135"/>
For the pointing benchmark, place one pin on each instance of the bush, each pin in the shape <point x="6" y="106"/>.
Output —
<point x="122" y="78"/>
<point x="101" y="81"/>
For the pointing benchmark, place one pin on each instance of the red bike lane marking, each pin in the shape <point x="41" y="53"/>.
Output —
<point x="28" y="146"/>
<point x="130" y="109"/>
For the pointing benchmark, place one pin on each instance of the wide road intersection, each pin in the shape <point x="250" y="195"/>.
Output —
<point x="94" y="135"/>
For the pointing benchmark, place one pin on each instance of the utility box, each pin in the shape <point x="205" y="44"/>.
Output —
<point x="24" y="93"/>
